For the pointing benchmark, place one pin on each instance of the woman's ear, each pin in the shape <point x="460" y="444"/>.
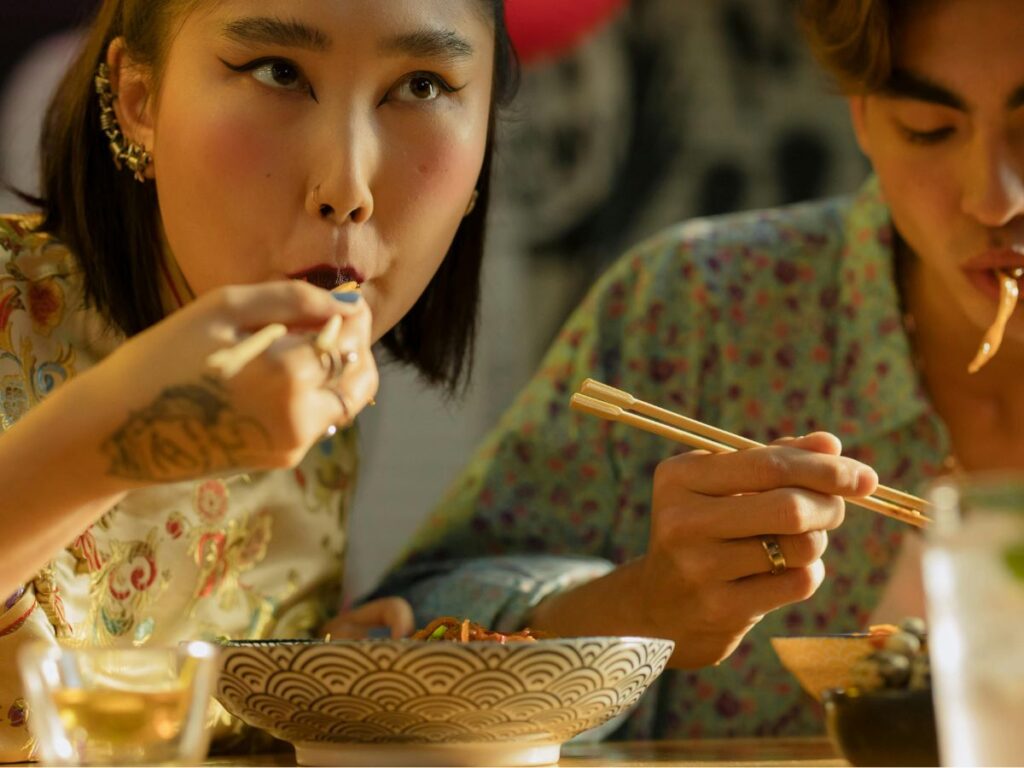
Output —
<point x="858" y="116"/>
<point x="134" y="98"/>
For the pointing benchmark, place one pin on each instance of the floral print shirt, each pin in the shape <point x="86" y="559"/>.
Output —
<point x="766" y="323"/>
<point x="256" y="555"/>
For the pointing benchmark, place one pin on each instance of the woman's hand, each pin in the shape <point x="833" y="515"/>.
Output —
<point x="395" y="613"/>
<point x="706" y="578"/>
<point x="179" y="420"/>
<point x="154" y="411"/>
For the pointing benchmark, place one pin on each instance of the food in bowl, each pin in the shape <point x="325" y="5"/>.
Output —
<point x="401" y="702"/>
<point x="886" y="716"/>
<point x="455" y="630"/>
<point x="900" y="659"/>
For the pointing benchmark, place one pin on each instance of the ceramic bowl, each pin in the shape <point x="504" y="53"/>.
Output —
<point x="824" y="661"/>
<point x="887" y="727"/>
<point x="402" y="702"/>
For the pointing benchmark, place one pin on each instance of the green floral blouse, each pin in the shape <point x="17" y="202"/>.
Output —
<point x="766" y="323"/>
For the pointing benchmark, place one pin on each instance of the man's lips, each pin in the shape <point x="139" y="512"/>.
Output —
<point x="982" y="270"/>
<point x="1006" y="259"/>
<point x="328" y="277"/>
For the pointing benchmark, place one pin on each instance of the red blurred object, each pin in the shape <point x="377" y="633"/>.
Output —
<point x="546" y="28"/>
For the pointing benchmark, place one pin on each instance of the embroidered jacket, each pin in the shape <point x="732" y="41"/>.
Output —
<point x="251" y="556"/>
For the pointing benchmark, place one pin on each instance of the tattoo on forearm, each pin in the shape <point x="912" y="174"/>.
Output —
<point x="187" y="432"/>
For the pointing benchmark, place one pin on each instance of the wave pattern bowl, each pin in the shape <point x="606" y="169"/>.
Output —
<point x="402" y="702"/>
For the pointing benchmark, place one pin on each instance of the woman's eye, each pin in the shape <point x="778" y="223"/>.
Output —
<point x="421" y="86"/>
<point x="278" y="74"/>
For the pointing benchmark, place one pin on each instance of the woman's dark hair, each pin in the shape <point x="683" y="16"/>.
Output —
<point x="853" y="39"/>
<point x="111" y="222"/>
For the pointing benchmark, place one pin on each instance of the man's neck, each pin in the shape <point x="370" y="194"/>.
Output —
<point x="984" y="410"/>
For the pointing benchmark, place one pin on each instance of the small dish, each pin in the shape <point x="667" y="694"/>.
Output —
<point x="402" y="702"/>
<point x="884" y="727"/>
<point x="823" y="661"/>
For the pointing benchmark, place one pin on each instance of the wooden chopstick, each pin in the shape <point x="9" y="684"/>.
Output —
<point x="707" y="442"/>
<point x="228" y="362"/>
<point x="626" y="401"/>
<point x="608" y="394"/>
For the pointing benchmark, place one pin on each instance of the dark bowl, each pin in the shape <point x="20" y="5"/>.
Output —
<point x="889" y="727"/>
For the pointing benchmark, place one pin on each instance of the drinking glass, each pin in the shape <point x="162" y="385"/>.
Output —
<point x="974" y="580"/>
<point x="119" y="706"/>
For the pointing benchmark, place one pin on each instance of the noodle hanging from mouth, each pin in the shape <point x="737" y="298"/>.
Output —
<point x="1009" y="293"/>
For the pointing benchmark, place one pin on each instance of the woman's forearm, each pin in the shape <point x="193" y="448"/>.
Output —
<point x="54" y="477"/>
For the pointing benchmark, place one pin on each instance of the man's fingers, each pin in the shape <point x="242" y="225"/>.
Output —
<point x="761" y="594"/>
<point x="819" y="442"/>
<point x="761" y="469"/>
<point x="778" y="511"/>
<point x="743" y="558"/>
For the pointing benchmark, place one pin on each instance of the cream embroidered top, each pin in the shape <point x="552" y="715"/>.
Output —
<point x="251" y="556"/>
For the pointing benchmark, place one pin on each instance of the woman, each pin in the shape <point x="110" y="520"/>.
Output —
<point x="212" y="168"/>
<point x="856" y="316"/>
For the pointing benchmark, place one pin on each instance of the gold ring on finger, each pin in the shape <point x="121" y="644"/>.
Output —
<point x="773" y="549"/>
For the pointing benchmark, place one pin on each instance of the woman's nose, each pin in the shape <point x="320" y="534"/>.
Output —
<point x="994" y="191"/>
<point x="342" y="192"/>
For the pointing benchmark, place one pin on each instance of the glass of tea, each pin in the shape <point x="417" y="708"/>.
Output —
<point x="119" y="706"/>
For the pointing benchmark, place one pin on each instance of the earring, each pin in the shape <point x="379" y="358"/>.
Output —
<point x="472" y="203"/>
<point x="126" y="153"/>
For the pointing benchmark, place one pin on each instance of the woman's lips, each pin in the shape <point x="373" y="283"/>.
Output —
<point x="328" y="277"/>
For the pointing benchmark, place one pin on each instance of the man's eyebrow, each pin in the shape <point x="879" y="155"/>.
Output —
<point x="267" y="30"/>
<point x="904" y="84"/>
<point x="429" y="43"/>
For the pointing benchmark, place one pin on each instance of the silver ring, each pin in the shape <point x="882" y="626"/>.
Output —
<point x="332" y="429"/>
<point x="773" y="549"/>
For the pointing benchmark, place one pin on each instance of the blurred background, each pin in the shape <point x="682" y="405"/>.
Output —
<point x="633" y="114"/>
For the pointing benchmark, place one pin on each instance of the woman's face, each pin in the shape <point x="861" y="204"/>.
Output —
<point x="947" y="142"/>
<point x="330" y="140"/>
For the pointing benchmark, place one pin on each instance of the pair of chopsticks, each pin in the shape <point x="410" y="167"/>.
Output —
<point x="228" y="362"/>
<point x="612" y="404"/>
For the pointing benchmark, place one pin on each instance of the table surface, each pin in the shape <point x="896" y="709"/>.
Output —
<point x="664" y="754"/>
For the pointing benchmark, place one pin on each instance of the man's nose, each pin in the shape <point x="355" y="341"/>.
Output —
<point x="993" y="192"/>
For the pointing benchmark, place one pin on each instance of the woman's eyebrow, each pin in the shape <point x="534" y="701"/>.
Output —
<point x="429" y="43"/>
<point x="267" y="30"/>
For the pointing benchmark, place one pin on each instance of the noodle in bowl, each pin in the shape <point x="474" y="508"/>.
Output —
<point x="401" y="702"/>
